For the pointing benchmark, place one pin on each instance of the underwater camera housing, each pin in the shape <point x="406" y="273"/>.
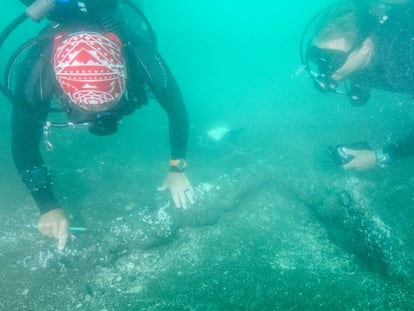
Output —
<point x="358" y="95"/>
<point x="324" y="83"/>
<point x="340" y="157"/>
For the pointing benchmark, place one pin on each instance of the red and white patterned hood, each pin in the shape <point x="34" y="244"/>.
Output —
<point x="90" y="69"/>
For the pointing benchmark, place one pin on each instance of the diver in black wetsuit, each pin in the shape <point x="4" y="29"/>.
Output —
<point x="361" y="45"/>
<point x="98" y="71"/>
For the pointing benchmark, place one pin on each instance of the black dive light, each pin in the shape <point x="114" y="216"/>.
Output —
<point x="340" y="157"/>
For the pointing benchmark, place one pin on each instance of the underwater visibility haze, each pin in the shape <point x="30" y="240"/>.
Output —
<point x="274" y="227"/>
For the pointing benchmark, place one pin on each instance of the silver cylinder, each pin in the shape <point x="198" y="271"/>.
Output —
<point x="39" y="9"/>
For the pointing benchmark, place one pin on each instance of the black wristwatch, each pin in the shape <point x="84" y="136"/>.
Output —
<point x="383" y="159"/>
<point x="178" y="165"/>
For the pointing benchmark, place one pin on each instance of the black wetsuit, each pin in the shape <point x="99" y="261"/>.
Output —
<point x="392" y="66"/>
<point x="36" y="86"/>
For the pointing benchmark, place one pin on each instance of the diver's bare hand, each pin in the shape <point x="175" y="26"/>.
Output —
<point x="54" y="224"/>
<point x="363" y="159"/>
<point x="180" y="189"/>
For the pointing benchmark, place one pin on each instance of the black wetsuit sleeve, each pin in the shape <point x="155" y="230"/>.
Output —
<point x="146" y="64"/>
<point x="33" y="92"/>
<point x="168" y="94"/>
<point x="27" y="2"/>
<point x="400" y="149"/>
<point x="26" y="135"/>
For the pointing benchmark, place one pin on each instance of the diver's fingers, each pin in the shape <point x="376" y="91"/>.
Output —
<point x="163" y="187"/>
<point x="352" y="152"/>
<point x="47" y="230"/>
<point x="349" y="165"/>
<point x="183" y="200"/>
<point x="62" y="241"/>
<point x="189" y="194"/>
<point x="62" y="236"/>
<point x="176" y="199"/>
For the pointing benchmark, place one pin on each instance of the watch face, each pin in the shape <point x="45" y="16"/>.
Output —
<point x="181" y="164"/>
<point x="178" y="165"/>
<point x="383" y="160"/>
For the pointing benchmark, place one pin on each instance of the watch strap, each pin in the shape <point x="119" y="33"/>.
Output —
<point x="178" y="165"/>
<point x="383" y="159"/>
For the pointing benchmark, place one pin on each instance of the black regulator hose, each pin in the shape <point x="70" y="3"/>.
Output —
<point x="144" y="19"/>
<point x="304" y="43"/>
<point x="3" y="37"/>
<point x="11" y="27"/>
<point x="16" y="56"/>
